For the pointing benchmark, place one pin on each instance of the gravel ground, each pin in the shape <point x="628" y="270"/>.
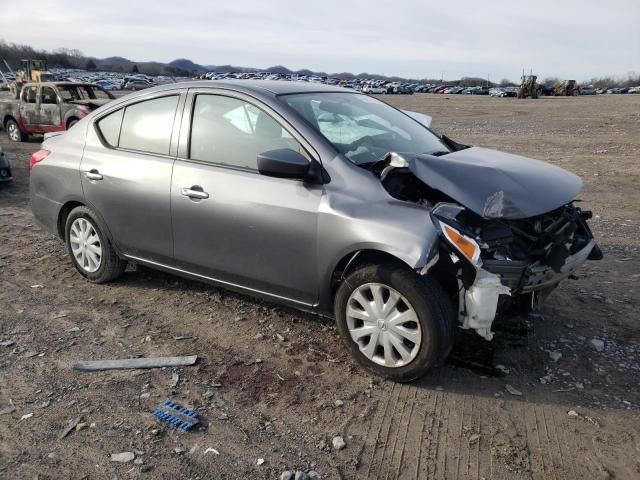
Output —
<point x="555" y="395"/>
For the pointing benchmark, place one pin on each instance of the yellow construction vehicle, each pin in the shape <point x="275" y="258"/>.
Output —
<point x="32" y="71"/>
<point x="528" y="87"/>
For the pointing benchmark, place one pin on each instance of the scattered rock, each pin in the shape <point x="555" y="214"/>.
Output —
<point x="301" y="476"/>
<point x="123" y="457"/>
<point x="179" y="450"/>
<point x="597" y="344"/>
<point x="573" y="414"/>
<point x="10" y="409"/>
<point x="474" y="438"/>
<point x="146" y="468"/>
<point x="512" y="391"/>
<point x="339" y="403"/>
<point x="260" y="461"/>
<point x="259" y="336"/>
<point x="313" y="475"/>
<point x="175" y="378"/>
<point x="7" y="343"/>
<point x="286" y="475"/>
<point x="338" y="443"/>
<point x="280" y="337"/>
<point x="555" y="356"/>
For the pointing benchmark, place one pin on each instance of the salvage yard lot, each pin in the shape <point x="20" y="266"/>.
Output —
<point x="268" y="378"/>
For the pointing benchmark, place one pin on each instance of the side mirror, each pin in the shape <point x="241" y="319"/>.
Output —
<point x="283" y="163"/>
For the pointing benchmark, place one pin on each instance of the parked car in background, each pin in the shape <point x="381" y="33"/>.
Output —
<point x="50" y="107"/>
<point x="5" y="168"/>
<point x="373" y="89"/>
<point x="587" y="91"/>
<point x="227" y="182"/>
<point x="107" y="85"/>
<point x="136" y="84"/>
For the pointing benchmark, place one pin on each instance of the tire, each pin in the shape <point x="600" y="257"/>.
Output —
<point x="72" y="123"/>
<point x="433" y="311"/>
<point x="109" y="266"/>
<point x="13" y="131"/>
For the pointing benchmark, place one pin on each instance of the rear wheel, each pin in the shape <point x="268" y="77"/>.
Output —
<point x="71" y="123"/>
<point x="89" y="248"/>
<point x="13" y="131"/>
<point x="394" y="322"/>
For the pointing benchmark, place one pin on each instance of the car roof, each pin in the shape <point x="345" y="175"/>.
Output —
<point x="273" y="87"/>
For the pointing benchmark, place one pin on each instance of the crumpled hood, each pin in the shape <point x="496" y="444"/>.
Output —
<point x="92" y="103"/>
<point x="495" y="184"/>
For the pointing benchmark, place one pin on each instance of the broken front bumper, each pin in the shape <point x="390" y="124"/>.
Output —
<point x="479" y="303"/>
<point x="522" y="277"/>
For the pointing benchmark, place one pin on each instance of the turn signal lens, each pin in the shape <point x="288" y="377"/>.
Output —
<point x="465" y="245"/>
<point x="38" y="157"/>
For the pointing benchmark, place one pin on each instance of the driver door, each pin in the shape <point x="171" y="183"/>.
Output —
<point x="29" y="106"/>
<point x="49" y="113"/>
<point x="231" y="223"/>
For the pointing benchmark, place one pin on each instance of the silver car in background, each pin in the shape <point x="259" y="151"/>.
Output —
<point x="318" y="197"/>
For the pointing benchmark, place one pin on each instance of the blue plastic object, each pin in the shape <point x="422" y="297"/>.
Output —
<point x="176" y="415"/>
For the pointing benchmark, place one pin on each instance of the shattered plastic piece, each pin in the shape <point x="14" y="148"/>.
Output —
<point x="176" y="415"/>
<point x="481" y="302"/>
<point x="213" y="450"/>
<point x="512" y="391"/>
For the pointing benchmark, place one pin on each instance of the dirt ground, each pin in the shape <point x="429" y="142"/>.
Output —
<point x="268" y="379"/>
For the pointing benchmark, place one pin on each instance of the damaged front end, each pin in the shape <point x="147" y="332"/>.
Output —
<point x="500" y="247"/>
<point x="524" y="259"/>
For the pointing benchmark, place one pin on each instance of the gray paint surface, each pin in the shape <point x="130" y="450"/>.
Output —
<point x="495" y="184"/>
<point x="278" y="237"/>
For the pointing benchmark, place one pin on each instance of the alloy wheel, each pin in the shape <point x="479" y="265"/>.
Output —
<point x="384" y="325"/>
<point x="13" y="131"/>
<point x="85" y="245"/>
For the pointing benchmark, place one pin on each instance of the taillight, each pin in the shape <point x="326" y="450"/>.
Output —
<point x="38" y="157"/>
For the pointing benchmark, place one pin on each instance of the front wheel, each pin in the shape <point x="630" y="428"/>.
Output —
<point x="89" y="248"/>
<point x="13" y="131"/>
<point x="394" y="322"/>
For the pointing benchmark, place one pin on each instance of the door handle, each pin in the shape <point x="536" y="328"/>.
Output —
<point x="93" y="175"/>
<point x="195" y="192"/>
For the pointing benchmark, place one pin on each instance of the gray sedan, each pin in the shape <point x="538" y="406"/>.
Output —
<point x="318" y="197"/>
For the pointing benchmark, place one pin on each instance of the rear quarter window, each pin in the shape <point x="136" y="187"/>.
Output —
<point x="109" y="127"/>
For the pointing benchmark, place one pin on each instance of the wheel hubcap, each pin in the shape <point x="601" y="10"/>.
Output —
<point x="85" y="245"/>
<point x="384" y="325"/>
<point x="13" y="131"/>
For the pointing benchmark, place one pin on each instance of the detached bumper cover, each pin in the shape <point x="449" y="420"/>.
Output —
<point x="539" y="276"/>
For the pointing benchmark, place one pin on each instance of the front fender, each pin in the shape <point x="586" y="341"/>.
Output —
<point x="400" y="229"/>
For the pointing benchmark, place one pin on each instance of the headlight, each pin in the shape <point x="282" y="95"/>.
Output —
<point x="444" y="214"/>
<point x="464" y="244"/>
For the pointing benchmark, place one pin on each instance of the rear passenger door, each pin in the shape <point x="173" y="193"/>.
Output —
<point x="126" y="173"/>
<point x="230" y="222"/>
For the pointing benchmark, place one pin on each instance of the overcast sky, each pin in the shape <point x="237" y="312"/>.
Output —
<point x="414" y="38"/>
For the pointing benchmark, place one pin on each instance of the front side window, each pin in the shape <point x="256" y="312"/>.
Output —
<point x="147" y="126"/>
<point x="232" y="132"/>
<point x="362" y="128"/>
<point x="29" y="94"/>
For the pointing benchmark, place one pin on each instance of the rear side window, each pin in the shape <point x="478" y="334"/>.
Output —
<point x="147" y="126"/>
<point x="109" y="127"/>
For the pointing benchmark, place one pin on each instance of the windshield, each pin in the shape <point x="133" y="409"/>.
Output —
<point x="362" y="128"/>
